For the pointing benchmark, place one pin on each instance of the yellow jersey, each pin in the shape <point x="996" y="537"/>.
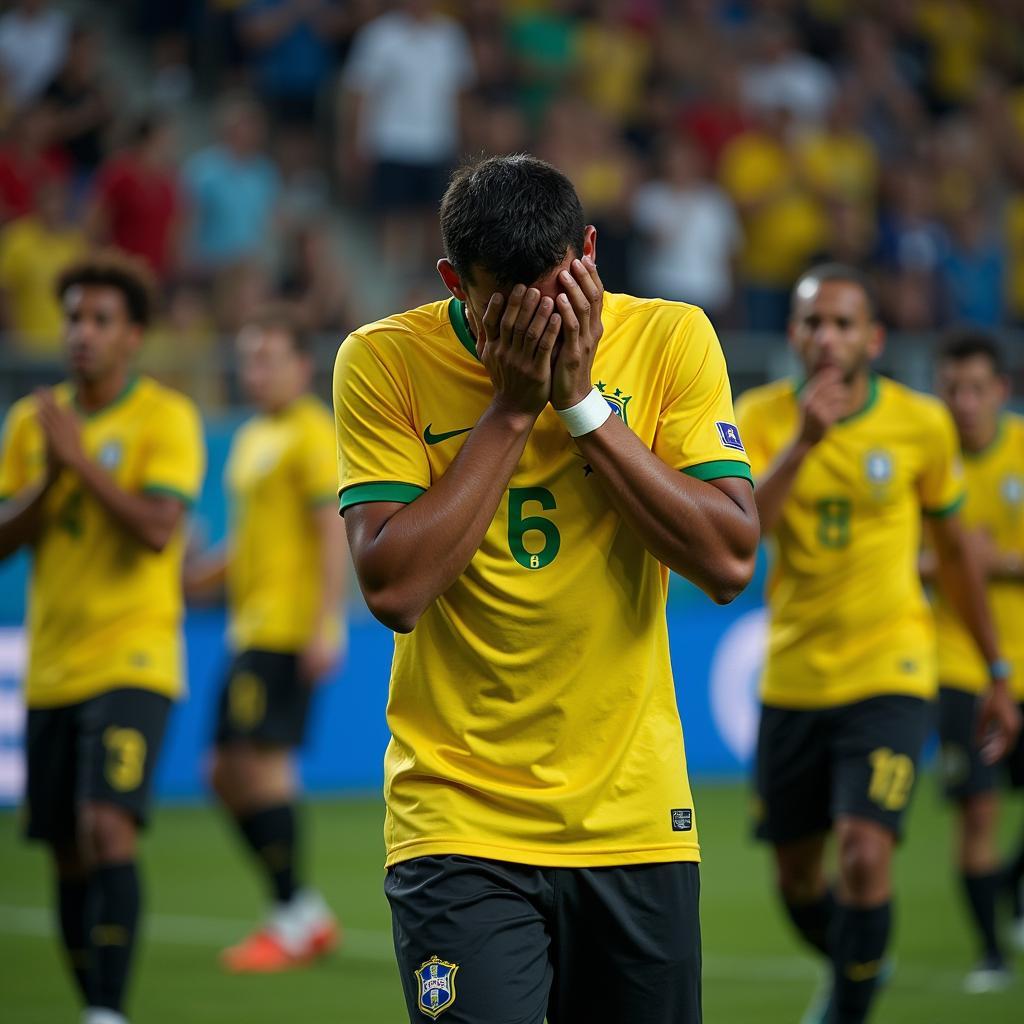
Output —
<point x="104" y="611"/>
<point x="532" y="709"/>
<point x="995" y="504"/>
<point x="848" y="615"/>
<point x="280" y="467"/>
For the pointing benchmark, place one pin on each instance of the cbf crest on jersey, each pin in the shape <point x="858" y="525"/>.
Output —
<point x="110" y="455"/>
<point x="878" y="467"/>
<point x="616" y="400"/>
<point x="436" y="979"/>
<point x="1012" y="490"/>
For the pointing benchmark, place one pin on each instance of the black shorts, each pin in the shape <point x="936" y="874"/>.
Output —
<point x="961" y="768"/>
<point x="264" y="700"/>
<point x="104" y="749"/>
<point x="408" y="187"/>
<point x="816" y="765"/>
<point x="488" y="942"/>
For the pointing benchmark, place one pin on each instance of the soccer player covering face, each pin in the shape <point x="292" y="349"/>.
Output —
<point x="284" y="567"/>
<point x="973" y="384"/>
<point x="97" y="474"/>
<point x="846" y="462"/>
<point x="520" y="467"/>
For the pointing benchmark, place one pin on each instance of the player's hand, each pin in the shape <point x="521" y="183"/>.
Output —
<point x="580" y="306"/>
<point x="514" y="342"/>
<point x="317" y="659"/>
<point x="999" y="723"/>
<point x="62" y="431"/>
<point x="824" y="400"/>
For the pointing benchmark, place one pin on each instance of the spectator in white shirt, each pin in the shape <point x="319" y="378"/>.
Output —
<point x="691" y="232"/>
<point x="33" y="41"/>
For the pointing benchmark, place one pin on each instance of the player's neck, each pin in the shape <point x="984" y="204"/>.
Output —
<point x="859" y="393"/>
<point x="93" y="395"/>
<point x="981" y="440"/>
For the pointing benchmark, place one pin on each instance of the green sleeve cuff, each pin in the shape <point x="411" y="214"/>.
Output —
<point x="160" y="491"/>
<point x="385" y="490"/>
<point x="947" y="510"/>
<point x="719" y="469"/>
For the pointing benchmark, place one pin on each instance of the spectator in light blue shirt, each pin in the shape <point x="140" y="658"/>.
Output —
<point x="232" y="188"/>
<point x="974" y="270"/>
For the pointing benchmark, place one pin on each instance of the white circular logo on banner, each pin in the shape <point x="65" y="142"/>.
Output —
<point x="12" y="715"/>
<point x="735" y="674"/>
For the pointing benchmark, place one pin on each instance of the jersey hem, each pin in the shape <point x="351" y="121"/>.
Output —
<point x="79" y="693"/>
<point x="382" y="490"/>
<point x="719" y="469"/>
<point x="945" y="510"/>
<point x="546" y="857"/>
<point x="846" y="695"/>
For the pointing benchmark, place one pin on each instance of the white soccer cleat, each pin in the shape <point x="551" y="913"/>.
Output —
<point x="100" y="1015"/>
<point x="989" y="976"/>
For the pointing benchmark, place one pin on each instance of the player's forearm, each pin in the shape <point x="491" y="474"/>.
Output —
<point x="774" y="486"/>
<point x="149" y="520"/>
<point x="691" y="526"/>
<point x="331" y="530"/>
<point x="424" y="547"/>
<point x="206" y="575"/>
<point x="1007" y="567"/>
<point x="21" y="517"/>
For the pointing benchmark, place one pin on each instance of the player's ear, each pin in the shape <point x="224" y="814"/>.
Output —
<point x="590" y="242"/>
<point x="876" y="346"/>
<point x="451" y="279"/>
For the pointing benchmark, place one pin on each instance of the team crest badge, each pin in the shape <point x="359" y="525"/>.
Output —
<point x="878" y="467"/>
<point x="729" y="435"/>
<point x="110" y="455"/>
<point x="436" y="979"/>
<point x="616" y="400"/>
<point x="1012" y="490"/>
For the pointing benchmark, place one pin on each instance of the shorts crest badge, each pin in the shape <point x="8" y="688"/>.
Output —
<point x="616" y="400"/>
<point x="436" y="979"/>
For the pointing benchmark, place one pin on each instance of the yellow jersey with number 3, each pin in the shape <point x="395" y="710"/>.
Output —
<point x="532" y="709"/>
<point x="104" y="611"/>
<point x="995" y="504"/>
<point x="848" y="615"/>
<point x="281" y="467"/>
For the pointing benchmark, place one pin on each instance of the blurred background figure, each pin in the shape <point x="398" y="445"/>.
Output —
<point x="33" y="42"/>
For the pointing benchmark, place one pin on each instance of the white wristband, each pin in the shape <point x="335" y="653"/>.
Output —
<point x="585" y="416"/>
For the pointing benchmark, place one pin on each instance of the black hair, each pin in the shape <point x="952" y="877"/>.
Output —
<point x="966" y="342"/>
<point x="843" y="272"/>
<point x="515" y="217"/>
<point x="111" y="268"/>
<point x="281" y="317"/>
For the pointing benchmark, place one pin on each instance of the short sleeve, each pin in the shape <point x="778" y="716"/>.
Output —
<point x="750" y="418"/>
<point x="15" y="469"/>
<point x="317" y="462"/>
<point x="941" y="483"/>
<point x="380" y="454"/>
<point x="176" y="453"/>
<point x="697" y="430"/>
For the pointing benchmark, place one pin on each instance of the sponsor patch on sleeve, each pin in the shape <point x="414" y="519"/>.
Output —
<point x="729" y="435"/>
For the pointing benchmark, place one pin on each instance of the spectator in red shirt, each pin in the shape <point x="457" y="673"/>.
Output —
<point x="28" y="156"/>
<point x="137" y="201"/>
<point x="715" y="119"/>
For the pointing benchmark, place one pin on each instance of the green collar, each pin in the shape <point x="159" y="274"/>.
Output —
<point x="129" y="387"/>
<point x="869" y="404"/>
<point x="992" y="445"/>
<point x="457" y="315"/>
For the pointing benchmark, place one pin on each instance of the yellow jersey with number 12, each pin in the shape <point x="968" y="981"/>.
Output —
<point x="105" y="611"/>
<point x="848" y="615"/>
<point x="995" y="504"/>
<point x="532" y="709"/>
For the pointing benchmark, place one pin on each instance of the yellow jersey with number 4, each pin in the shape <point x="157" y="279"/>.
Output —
<point x="281" y="467"/>
<point x="995" y="504"/>
<point x="104" y="611"/>
<point x="848" y="615"/>
<point x="532" y="709"/>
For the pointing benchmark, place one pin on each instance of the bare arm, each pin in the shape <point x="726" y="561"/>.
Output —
<point x="707" y="532"/>
<point x="321" y="652"/>
<point x="406" y="556"/>
<point x="961" y="578"/>
<point x="21" y="516"/>
<point x="206" y="574"/>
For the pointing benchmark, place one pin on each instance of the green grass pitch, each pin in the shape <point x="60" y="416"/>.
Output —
<point x="201" y="895"/>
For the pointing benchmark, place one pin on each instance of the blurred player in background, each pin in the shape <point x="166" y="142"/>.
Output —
<point x="972" y="382"/>
<point x="514" y="493"/>
<point x="97" y="474"/>
<point x="284" y="567"/>
<point x="846" y="462"/>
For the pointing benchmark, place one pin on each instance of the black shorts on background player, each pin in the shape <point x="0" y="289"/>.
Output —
<point x="963" y="772"/>
<point x="103" y="749"/>
<point x="489" y="942"/>
<point x="857" y="759"/>
<point x="265" y="700"/>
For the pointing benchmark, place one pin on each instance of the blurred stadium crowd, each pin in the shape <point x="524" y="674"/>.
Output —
<point x="256" y="148"/>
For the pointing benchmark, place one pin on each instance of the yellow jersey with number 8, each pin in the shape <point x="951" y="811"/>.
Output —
<point x="995" y="504"/>
<point x="105" y="611"/>
<point x="848" y="615"/>
<point x="532" y="709"/>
